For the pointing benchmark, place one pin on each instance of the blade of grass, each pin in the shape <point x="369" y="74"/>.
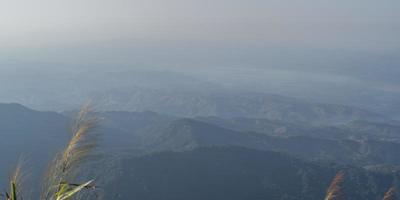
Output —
<point x="72" y="192"/>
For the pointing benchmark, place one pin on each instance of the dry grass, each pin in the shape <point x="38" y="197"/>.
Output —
<point x="15" y="184"/>
<point x="390" y="194"/>
<point x="61" y="175"/>
<point x="60" y="180"/>
<point x="335" y="189"/>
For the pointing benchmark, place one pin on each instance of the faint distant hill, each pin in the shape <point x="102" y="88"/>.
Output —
<point x="237" y="173"/>
<point x="234" y="104"/>
<point x="165" y="92"/>
<point x="354" y="130"/>
<point x="374" y="130"/>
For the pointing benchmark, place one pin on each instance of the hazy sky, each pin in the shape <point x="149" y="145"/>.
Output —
<point x="352" y="38"/>
<point x="349" y="24"/>
<point x="291" y="44"/>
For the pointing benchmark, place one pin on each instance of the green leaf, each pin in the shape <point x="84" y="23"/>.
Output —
<point x="72" y="192"/>
<point x="13" y="191"/>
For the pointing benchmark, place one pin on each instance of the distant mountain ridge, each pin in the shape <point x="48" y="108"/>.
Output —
<point x="355" y="130"/>
<point x="168" y="93"/>
<point x="150" y="132"/>
<point x="186" y="134"/>
<point x="227" y="104"/>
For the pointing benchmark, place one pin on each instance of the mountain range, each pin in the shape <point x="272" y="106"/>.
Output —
<point x="136" y="143"/>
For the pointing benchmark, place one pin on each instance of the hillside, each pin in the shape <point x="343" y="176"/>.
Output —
<point x="148" y="134"/>
<point x="237" y="173"/>
<point x="354" y="130"/>
<point x="186" y="134"/>
<point x="29" y="135"/>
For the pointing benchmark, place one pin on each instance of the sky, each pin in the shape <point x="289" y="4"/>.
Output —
<point x="351" y="39"/>
<point x="310" y="48"/>
<point x="346" y="24"/>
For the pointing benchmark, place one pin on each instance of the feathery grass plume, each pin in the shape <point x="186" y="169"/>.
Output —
<point x="390" y="194"/>
<point x="15" y="184"/>
<point x="335" y="189"/>
<point x="16" y="178"/>
<point x="59" y="182"/>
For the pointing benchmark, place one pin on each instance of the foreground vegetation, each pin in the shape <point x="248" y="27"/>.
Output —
<point x="59" y="182"/>
<point x="335" y="189"/>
